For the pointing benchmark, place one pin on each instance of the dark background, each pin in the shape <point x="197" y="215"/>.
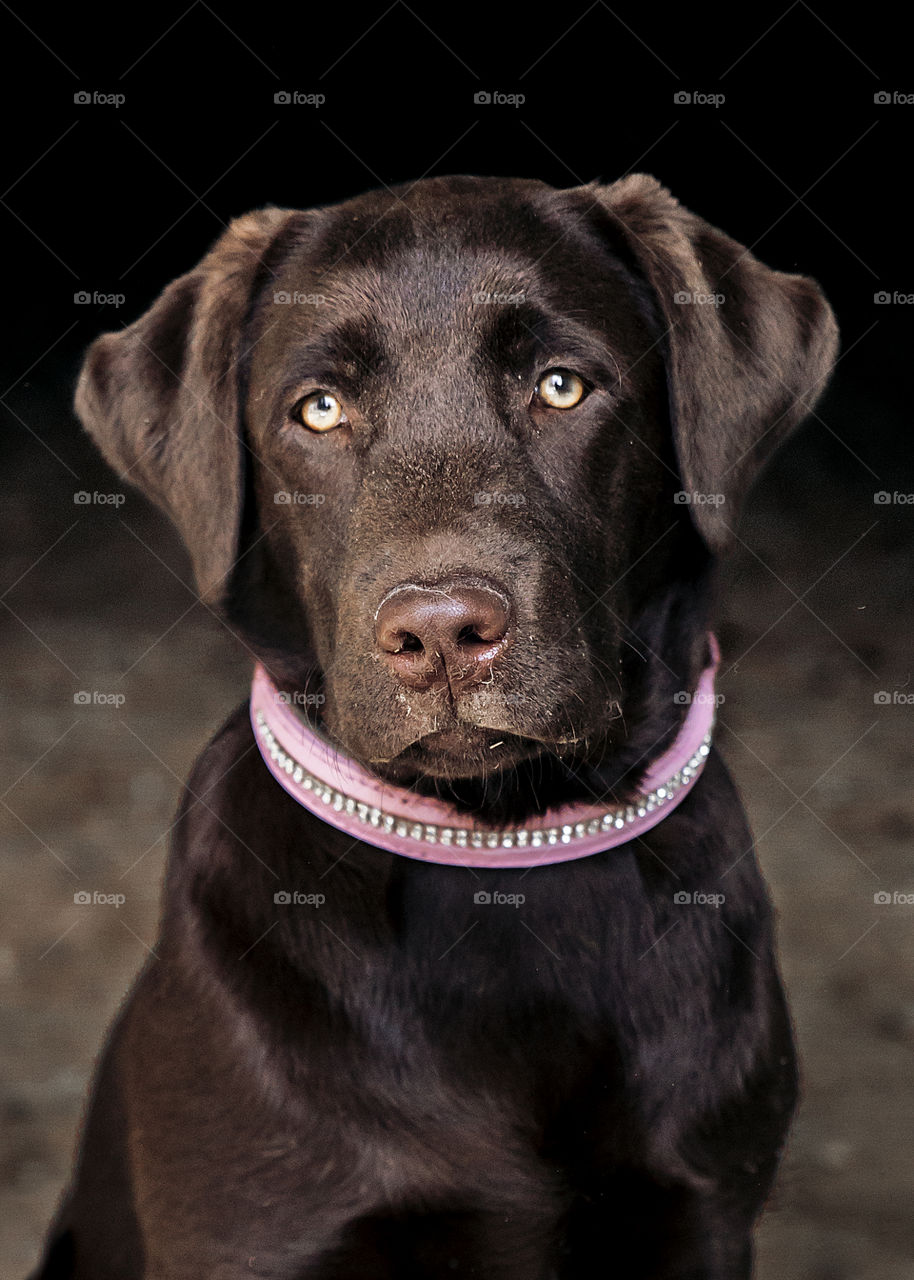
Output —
<point x="800" y="162"/>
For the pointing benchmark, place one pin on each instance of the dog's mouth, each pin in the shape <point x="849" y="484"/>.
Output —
<point x="487" y="770"/>
<point x="440" y="740"/>
<point x="494" y="775"/>
<point x="469" y="752"/>
<point x="467" y="748"/>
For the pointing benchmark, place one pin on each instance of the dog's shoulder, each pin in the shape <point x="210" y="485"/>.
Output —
<point x="218" y="773"/>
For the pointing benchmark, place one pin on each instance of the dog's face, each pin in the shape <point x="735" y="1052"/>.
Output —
<point x="426" y="447"/>
<point x="492" y="401"/>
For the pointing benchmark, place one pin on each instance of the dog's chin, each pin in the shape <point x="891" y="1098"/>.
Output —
<point x="461" y="751"/>
<point x="491" y="774"/>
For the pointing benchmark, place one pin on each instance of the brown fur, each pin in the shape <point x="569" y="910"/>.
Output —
<point x="409" y="1084"/>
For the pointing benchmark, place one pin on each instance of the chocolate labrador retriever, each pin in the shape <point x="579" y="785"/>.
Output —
<point x="466" y="965"/>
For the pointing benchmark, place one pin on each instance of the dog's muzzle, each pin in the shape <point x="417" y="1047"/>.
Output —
<point x="349" y="797"/>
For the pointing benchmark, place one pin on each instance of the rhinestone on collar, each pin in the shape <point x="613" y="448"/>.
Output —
<point x="375" y="818"/>
<point x="360" y="804"/>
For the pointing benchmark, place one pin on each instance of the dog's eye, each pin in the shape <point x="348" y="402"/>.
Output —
<point x="560" y="389"/>
<point x="320" y="411"/>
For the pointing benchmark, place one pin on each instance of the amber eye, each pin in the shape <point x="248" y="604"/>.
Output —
<point x="560" y="389"/>
<point x="320" y="412"/>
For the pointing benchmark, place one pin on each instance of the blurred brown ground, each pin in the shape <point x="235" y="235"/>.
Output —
<point x="824" y="769"/>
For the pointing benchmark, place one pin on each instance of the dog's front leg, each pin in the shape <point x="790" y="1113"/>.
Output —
<point x="707" y="1236"/>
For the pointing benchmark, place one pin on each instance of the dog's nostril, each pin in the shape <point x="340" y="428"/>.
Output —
<point x="448" y="633"/>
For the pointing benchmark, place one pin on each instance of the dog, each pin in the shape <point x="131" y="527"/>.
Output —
<point x="457" y="462"/>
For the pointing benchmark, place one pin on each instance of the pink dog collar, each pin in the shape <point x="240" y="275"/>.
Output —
<point x="349" y="797"/>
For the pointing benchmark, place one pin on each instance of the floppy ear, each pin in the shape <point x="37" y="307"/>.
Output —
<point x="749" y="350"/>
<point x="161" y="398"/>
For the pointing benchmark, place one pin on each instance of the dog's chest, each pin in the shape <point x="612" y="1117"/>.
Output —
<point x="521" y="973"/>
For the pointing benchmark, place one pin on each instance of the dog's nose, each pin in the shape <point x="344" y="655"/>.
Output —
<point x="448" y="633"/>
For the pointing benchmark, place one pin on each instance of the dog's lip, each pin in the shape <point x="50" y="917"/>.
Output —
<point x="463" y="738"/>
<point x="459" y="735"/>
<point x="459" y="742"/>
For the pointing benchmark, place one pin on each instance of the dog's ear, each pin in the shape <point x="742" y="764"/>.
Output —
<point x="748" y="349"/>
<point x="161" y="398"/>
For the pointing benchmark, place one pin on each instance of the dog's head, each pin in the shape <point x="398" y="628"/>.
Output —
<point x="458" y="456"/>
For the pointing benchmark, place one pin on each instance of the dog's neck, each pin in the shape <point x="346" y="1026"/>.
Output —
<point x="399" y="819"/>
